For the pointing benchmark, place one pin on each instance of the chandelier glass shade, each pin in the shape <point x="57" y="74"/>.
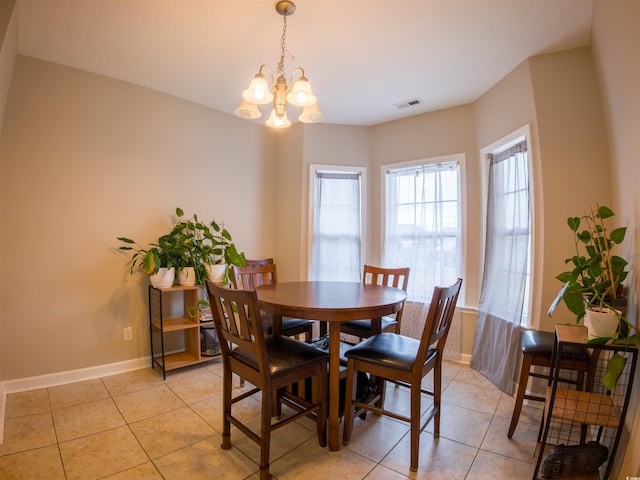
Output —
<point x="262" y="92"/>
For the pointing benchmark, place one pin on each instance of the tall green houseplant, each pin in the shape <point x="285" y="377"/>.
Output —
<point x="595" y="278"/>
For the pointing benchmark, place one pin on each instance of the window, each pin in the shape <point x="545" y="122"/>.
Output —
<point x="423" y="224"/>
<point x="336" y="228"/>
<point x="508" y="259"/>
<point x="505" y="294"/>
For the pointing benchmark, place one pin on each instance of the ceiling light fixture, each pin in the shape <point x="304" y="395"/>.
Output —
<point x="260" y="92"/>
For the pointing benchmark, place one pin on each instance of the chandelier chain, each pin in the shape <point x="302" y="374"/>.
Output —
<point x="282" y="47"/>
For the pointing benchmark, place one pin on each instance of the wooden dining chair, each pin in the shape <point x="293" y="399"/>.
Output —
<point x="250" y="277"/>
<point x="404" y="360"/>
<point x="270" y="363"/>
<point x="390" y="277"/>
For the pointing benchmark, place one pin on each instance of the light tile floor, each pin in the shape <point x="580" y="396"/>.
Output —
<point x="137" y="426"/>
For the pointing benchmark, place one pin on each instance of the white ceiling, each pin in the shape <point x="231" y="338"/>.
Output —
<point x="361" y="56"/>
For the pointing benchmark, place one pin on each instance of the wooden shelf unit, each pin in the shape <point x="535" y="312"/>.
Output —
<point x="583" y="407"/>
<point x="183" y="329"/>
<point x="574" y="417"/>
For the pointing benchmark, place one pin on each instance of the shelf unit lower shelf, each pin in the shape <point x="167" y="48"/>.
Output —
<point x="173" y="361"/>
<point x="585" y="408"/>
<point x="176" y="339"/>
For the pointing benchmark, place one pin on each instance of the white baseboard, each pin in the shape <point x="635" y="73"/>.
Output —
<point x="61" y="378"/>
<point x="465" y="358"/>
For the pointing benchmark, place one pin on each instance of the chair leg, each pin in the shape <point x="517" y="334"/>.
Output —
<point x="227" y="379"/>
<point x="265" y="433"/>
<point x="319" y="395"/>
<point x="522" y="387"/>
<point x="308" y="334"/>
<point x="350" y="395"/>
<point x="415" y="426"/>
<point x="437" y="395"/>
<point x="381" y="384"/>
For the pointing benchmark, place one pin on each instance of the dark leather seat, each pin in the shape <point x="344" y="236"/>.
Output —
<point x="284" y="354"/>
<point x="389" y="349"/>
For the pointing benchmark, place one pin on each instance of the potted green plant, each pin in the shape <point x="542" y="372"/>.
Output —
<point x="206" y="246"/>
<point x="158" y="260"/>
<point x="591" y="288"/>
<point x="185" y="236"/>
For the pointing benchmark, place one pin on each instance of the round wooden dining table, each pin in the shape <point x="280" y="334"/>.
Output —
<point x="332" y="302"/>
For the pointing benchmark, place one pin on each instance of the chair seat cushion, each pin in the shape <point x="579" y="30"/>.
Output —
<point x="287" y="323"/>
<point x="285" y="355"/>
<point x="388" y="349"/>
<point x="388" y="323"/>
<point x="295" y="323"/>
<point x="536" y="342"/>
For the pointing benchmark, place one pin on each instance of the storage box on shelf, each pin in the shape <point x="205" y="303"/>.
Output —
<point x="176" y="338"/>
<point x="592" y="419"/>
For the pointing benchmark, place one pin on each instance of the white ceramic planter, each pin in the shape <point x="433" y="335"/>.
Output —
<point x="164" y="278"/>
<point x="187" y="276"/>
<point x="602" y="323"/>
<point x="216" y="272"/>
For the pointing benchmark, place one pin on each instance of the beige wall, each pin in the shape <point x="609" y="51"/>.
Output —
<point x="615" y="40"/>
<point x="86" y="159"/>
<point x="575" y="163"/>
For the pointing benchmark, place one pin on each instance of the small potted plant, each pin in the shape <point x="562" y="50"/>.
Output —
<point x="158" y="260"/>
<point x="592" y="288"/>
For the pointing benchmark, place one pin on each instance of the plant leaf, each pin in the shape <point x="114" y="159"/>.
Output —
<point x="615" y="366"/>
<point x="631" y="340"/>
<point x="598" y="341"/>
<point x="617" y="235"/>
<point x="574" y="302"/>
<point x="584" y="236"/>
<point x="574" y="223"/>
<point x="605" y="212"/>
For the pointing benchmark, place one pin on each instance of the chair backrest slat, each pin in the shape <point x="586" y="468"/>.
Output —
<point x="236" y="315"/>
<point x="390" y="277"/>
<point x="439" y="318"/>
<point x="250" y="277"/>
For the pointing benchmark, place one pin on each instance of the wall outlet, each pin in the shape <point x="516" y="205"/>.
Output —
<point x="127" y="333"/>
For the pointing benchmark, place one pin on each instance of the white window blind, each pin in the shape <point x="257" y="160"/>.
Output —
<point x="337" y="239"/>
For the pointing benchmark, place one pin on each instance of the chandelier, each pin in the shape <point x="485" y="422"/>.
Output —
<point x="260" y="92"/>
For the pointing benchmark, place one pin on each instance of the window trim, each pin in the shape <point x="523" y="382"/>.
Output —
<point x="362" y="171"/>
<point x="522" y="133"/>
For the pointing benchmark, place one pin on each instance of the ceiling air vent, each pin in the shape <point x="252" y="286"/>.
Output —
<point x="408" y="103"/>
